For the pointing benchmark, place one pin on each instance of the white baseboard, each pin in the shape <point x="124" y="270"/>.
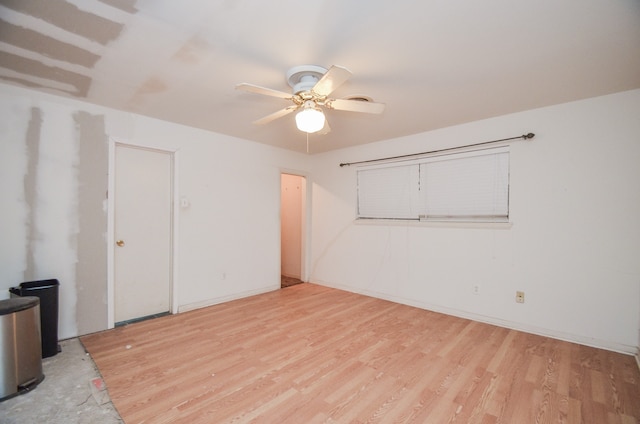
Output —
<point x="222" y="299"/>
<point x="587" y="341"/>
<point x="638" y="357"/>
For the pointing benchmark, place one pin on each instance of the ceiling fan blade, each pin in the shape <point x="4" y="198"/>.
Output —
<point x="262" y="90"/>
<point x="276" y="115"/>
<point x="355" y="106"/>
<point x="326" y="129"/>
<point x="332" y="79"/>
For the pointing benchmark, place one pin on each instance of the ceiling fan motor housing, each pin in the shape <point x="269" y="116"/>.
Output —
<point x="304" y="77"/>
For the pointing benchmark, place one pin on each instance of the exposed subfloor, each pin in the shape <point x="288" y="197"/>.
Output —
<point x="72" y="393"/>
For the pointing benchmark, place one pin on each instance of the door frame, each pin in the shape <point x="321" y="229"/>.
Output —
<point x="111" y="224"/>
<point x="306" y="222"/>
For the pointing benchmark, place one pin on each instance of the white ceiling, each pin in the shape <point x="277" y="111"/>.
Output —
<point x="434" y="63"/>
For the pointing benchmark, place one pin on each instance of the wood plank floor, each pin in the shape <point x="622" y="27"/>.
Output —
<point x="311" y="354"/>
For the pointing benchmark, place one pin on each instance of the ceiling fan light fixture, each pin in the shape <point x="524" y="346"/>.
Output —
<point x="312" y="86"/>
<point x="310" y="119"/>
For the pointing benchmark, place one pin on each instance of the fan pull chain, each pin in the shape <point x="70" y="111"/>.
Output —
<point x="307" y="143"/>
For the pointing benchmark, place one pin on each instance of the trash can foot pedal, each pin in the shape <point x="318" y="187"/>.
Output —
<point x="29" y="385"/>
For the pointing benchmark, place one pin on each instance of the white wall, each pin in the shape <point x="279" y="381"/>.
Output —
<point x="573" y="246"/>
<point x="229" y="237"/>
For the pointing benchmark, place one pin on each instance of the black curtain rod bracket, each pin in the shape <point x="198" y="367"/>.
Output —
<point x="524" y="137"/>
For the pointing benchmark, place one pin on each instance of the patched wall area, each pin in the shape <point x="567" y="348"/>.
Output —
<point x="54" y="185"/>
<point x="91" y="243"/>
<point x="57" y="175"/>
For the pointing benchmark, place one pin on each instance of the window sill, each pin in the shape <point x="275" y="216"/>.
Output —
<point x="435" y="224"/>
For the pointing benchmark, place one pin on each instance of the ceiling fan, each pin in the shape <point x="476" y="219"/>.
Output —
<point x="311" y="86"/>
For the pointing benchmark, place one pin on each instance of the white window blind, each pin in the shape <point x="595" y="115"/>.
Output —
<point x="469" y="186"/>
<point x="390" y="192"/>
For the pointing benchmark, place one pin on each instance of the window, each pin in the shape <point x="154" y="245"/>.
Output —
<point x="469" y="186"/>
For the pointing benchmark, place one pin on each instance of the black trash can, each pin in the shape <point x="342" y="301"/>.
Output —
<point x="47" y="291"/>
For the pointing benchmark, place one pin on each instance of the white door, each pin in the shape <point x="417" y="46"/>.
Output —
<point x="143" y="216"/>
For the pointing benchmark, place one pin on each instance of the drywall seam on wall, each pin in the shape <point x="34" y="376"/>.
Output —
<point x="55" y="252"/>
<point x="14" y="124"/>
<point x="32" y="141"/>
<point x="91" y="245"/>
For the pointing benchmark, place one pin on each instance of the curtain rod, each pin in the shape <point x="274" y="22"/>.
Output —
<point x="524" y="137"/>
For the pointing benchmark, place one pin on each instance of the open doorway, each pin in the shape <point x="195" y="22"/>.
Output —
<point x="292" y="229"/>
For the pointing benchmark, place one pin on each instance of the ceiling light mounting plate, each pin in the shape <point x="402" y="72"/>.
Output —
<point x="359" y="98"/>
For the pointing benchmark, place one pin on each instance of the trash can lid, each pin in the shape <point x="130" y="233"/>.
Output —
<point x="17" y="304"/>
<point x="40" y="284"/>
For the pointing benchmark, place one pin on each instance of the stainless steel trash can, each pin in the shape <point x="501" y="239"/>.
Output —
<point x="20" y="346"/>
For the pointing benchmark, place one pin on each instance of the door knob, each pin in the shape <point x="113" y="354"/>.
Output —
<point x="120" y="243"/>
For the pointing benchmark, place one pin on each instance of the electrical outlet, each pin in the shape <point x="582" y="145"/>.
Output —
<point x="520" y="297"/>
<point x="476" y="289"/>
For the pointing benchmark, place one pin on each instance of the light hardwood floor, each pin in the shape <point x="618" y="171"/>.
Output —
<point x="311" y="354"/>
